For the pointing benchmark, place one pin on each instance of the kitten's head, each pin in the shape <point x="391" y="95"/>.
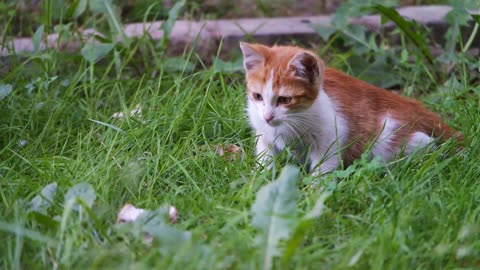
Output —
<point x="280" y="80"/>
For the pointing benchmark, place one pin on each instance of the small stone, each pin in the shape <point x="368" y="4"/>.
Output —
<point x="173" y="214"/>
<point x="22" y="143"/>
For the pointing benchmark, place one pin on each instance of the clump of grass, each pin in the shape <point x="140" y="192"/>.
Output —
<point x="56" y="126"/>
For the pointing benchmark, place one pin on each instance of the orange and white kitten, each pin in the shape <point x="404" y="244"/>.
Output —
<point x="326" y="115"/>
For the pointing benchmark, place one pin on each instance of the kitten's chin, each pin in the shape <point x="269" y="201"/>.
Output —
<point x="275" y="123"/>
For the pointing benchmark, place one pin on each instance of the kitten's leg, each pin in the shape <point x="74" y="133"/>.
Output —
<point x="264" y="152"/>
<point x="326" y="166"/>
<point x="417" y="141"/>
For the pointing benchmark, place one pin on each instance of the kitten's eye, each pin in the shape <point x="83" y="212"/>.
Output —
<point x="257" y="96"/>
<point x="284" y="100"/>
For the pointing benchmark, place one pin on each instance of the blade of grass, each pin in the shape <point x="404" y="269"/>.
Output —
<point x="406" y="27"/>
<point x="20" y="231"/>
<point x="115" y="22"/>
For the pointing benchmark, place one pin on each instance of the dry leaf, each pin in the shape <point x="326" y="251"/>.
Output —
<point x="118" y="115"/>
<point x="135" y="112"/>
<point x="229" y="151"/>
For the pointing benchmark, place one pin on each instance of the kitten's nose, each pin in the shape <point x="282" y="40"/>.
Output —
<point x="268" y="117"/>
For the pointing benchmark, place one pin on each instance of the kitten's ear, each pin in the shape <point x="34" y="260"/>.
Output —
<point x="252" y="58"/>
<point x="306" y="67"/>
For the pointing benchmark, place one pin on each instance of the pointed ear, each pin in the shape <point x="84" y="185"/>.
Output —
<point x="252" y="58"/>
<point x="305" y="66"/>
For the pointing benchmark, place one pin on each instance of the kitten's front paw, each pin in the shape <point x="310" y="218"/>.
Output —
<point x="264" y="161"/>
<point x="268" y="165"/>
<point x="319" y="174"/>
<point x="317" y="171"/>
<point x="320" y="169"/>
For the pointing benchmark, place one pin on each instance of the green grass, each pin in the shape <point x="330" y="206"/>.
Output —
<point x="25" y="16"/>
<point x="56" y="125"/>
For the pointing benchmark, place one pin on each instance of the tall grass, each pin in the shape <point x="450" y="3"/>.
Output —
<point x="57" y="126"/>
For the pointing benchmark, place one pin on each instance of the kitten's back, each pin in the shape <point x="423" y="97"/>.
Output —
<point x="368" y="108"/>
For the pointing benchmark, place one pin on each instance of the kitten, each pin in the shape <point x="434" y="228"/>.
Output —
<point x="325" y="115"/>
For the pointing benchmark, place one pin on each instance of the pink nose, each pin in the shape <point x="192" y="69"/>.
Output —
<point x="268" y="117"/>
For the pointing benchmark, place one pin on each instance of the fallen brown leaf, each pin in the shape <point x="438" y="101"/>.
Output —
<point x="229" y="151"/>
<point x="137" y="111"/>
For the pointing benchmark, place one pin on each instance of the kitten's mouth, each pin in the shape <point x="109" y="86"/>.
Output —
<point x="274" y="123"/>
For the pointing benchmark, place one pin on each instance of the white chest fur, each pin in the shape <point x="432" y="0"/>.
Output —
<point x="319" y="130"/>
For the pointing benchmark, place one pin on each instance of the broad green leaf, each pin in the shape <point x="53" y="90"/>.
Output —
<point x="37" y="37"/>
<point x="305" y="223"/>
<point x="98" y="6"/>
<point x="177" y="64"/>
<point x="58" y="8"/>
<point x="356" y="34"/>
<point x="82" y="191"/>
<point x="112" y="12"/>
<point x="344" y="13"/>
<point x="42" y="201"/>
<point x="404" y="56"/>
<point x="81" y="6"/>
<point x="33" y="85"/>
<point x="43" y="219"/>
<point x="19" y="230"/>
<point x="355" y="8"/>
<point x="408" y="28"/>
<point x="113" y="15"/>
<point x="167" y="25"/>
<point x="172" y="17"/>
<point x="118" y="63"/>
<point x="275" y="213"/>
<point x="476" y="17"/>
<point x="170" y="238"/>
<point x="228" y="67"/>
<point x="458" y="14"/>
<point x="155" y="224"/>
<point x="317" y="209"/>
<point x="380" y="73"/>
<point x="345" y="173"/>
<point x="476" y="90"/>
<point x="64" y="31"/>
<point x="324" y="31"/>
<point x="5" y="90"/>
<point x="93" y="52"/>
